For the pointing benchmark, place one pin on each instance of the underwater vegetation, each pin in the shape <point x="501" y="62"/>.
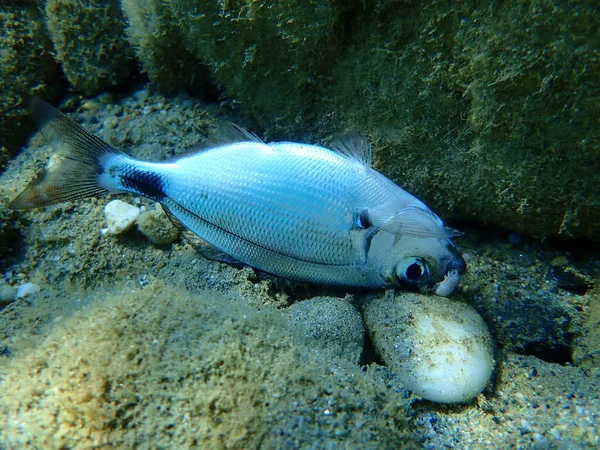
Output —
<point x="157" y="367"/>
<point x="88" y="39"/>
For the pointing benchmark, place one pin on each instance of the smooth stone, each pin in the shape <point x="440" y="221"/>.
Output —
<point x="27" y="290"/>
<point x="440" y="349"/>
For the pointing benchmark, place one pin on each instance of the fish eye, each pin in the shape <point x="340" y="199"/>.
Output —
<point x="412" y="271"/>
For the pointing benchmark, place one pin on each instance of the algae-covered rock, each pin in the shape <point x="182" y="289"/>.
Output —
<point x="90" y="44"/>
<point x="271" y="57"/>
<point x="26" y="67"/>
<point x="157" y="38"/>
<point x="158" y="368"/>
<point x="156" y="226"/>
<point x="486" y="113"/>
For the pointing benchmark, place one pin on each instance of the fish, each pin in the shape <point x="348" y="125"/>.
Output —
<point x="298" y="211"/>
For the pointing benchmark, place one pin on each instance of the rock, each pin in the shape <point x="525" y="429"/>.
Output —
<point x="482" y="116"/>
<point x="154" y="32"/>
<point x="27" y="290"/>
<point x="156" y="226"/>
<point x="330" y="323"/>
<point x="89" y="42"/>
<point x="8" y="294"/>
<point x="483" y="130"/>
<point x="440" y="349"/>
<point x="120" y="216"/>
<point x="26" y="67"/>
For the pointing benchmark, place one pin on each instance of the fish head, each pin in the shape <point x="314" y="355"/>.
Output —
<point x="416" y="262"/>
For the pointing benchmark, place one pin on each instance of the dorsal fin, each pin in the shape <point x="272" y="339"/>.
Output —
<point x="245" y="135"/>
<point x="234" y="133"/>
<point x="230" y="133"/>
<point x="354" y="145"/>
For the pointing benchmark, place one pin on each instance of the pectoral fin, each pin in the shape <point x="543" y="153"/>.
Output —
<point x="413" y="221"/>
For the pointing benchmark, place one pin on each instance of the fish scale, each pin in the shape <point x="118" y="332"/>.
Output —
<point x="295" y="210"/>
<point x="257" y="211"/>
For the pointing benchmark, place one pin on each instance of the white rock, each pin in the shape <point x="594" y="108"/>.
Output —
<point x="27" y="289"/>
<point x="440" y="349"/>
<point x="120" y="216"/>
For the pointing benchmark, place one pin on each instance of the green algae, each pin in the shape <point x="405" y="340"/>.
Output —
<point x="268" y="56"/>
<point x="157" y="38"/>
<point x="483" y="111"/>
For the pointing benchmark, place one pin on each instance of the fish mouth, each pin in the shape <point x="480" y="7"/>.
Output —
<point x="453" y="265"/>
<point x="453" y="261"/>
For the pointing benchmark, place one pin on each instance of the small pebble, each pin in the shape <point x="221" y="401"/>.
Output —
<point x="141" y="95"/>
<point x="157" y="227"/>
<point x="7" y="294"/>
<point x="120" y="216"/>
<point x="27" y="290"/>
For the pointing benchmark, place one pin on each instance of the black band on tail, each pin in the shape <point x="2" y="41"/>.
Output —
<point x="148" y="184"/>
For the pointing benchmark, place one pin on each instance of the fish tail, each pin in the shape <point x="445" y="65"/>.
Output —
<point x="79" y="168"/>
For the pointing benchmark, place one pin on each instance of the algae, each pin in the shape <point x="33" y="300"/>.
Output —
<point x="160" y="367"/>
<point x="271" y="58"/>
<point x="89" y="39"/>
<point x="26" y="67"/>
<point x="332" y="325"/>
<point x="156" y="36"/>
<point x="484" y="111"/>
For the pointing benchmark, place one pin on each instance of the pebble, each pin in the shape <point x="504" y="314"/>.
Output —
<point x="120" y="216"/>
<point x="27" y="290"/>
<point x="440" y="349"/>
<point x="156" y="226"/>
<point x="331" y="324"/>
<point x="10" y="293"/>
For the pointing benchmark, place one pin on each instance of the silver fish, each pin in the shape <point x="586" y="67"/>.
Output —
<point x="298" y="211"/>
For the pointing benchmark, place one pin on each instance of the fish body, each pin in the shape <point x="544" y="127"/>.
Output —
<point x="299" y="211"/>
